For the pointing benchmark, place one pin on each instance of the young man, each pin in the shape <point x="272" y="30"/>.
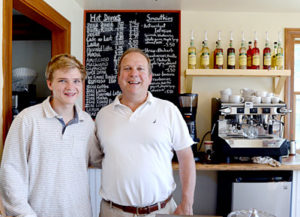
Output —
<point x="138" y="133"/>
<point x="44" y="170"/>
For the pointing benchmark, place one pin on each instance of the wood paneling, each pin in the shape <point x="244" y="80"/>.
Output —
<point x="7" y="66"/>
<point x="42" y="13"/>
<point x="290" y="35"/>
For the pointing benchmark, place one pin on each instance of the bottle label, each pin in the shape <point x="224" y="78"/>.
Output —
<point x="255" y="60"/>
<point x="231" y="59"/>
<point x="204" y="59"/>
<point x="219" y="59"/>
<point x="267" y="59"/>
<point x="243" y="59"/>
<point x="279" y="60"/>
<point x="192" y="58"/>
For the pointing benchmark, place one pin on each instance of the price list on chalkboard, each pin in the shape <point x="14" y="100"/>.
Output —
<point x="109" y="33"/>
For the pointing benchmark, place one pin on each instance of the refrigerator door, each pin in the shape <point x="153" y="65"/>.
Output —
<point x="270" y="197"/>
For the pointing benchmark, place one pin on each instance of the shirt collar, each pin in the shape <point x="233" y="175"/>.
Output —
<point x="117" y="102"/>
<point x="50" y="113"/>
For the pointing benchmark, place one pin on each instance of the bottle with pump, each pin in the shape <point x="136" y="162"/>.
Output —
<point x="243" y="54"/>
<point x="218" y="54"/>
<point x="279" y="55"/>
<point x="204" y="55"/>
<point x="274" y="53"/>
<point x="267" y="54"/>
<point x="230" y="54"/>
<point x="249" y="55"/>
<point x="192" y="53"/>
<point x="255" y="54"/>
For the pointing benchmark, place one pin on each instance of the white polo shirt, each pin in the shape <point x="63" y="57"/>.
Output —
<point x="137" y="166"/>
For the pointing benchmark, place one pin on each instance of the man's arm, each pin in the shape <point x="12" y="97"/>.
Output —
<point x="187" y="173"/>
<point x="95" y="151"/>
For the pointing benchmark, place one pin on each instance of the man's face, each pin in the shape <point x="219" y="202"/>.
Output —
<point x="66" y="86"/>
<point x="134" y="77"/>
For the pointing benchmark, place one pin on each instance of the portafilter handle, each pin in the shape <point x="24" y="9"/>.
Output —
<point x="284" y="110"/>
<point x="225" y="111"/>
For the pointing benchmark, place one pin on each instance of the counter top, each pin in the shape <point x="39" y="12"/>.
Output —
<point x="288" y="163"/>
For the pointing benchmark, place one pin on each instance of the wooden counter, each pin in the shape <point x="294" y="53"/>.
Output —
<point x="288" y="163"/>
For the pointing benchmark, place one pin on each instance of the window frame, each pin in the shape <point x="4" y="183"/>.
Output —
<point x="290" y="95"/>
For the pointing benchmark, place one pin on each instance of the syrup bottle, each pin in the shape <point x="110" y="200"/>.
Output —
<point x="255" y="54"/>
<point x="230" y="54"/>
<point x="192" y="53"/>
<point x="279" y="55"/>
<point x="243" y="54"/>
<point x="274" y="53"/>
<point x="249" y="55"/>
<point x="204" y="55"/>
<point x="218" y="54"/>
<point x="267" y="54"/>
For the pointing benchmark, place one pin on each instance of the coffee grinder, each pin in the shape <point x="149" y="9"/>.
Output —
<point x="188" y="107"/>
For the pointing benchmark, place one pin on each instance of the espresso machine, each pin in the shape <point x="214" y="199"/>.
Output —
<point x="245" y="130"/>
<point x="188" y="107"/>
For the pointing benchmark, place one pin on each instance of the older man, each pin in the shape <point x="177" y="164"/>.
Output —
<point x="138" y="134"/>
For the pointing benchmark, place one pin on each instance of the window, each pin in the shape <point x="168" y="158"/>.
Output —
<point x="297" y="127"/>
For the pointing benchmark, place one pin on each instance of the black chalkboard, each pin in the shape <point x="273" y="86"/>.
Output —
<point x="109" y="33"/>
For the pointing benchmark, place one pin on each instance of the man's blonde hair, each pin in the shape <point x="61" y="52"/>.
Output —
<point x="63" y="61"/>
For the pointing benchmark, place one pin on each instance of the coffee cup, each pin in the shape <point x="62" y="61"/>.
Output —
<point x="227" y="91"/>
<point x="256" y="99"/>
<point x="236" y="99"/>
<point x="275" y="99"/>
<point x="270" y="94"/>
<point x="266" y="99"/>
<point x="261" y="93"/>
<point x="225" y="98"/>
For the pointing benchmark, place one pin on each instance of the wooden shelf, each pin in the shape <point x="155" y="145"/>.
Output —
<point x="277" y="86"/>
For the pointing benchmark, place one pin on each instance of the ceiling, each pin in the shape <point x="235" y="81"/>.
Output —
<point x="285" y="6"/>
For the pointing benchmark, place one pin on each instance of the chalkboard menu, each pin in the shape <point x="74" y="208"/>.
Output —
<point x="109" y="33"/>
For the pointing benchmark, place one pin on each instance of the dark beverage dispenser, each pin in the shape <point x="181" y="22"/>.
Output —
<point x="188" y="106"/>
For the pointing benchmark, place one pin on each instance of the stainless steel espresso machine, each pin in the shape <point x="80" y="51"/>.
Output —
<point x="247" y="130"/>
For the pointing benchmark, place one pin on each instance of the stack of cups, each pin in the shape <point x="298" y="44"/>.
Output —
<point x="265" y="97"/>
<point x="228" y="97"/>
<point x="225" y="94"/>
<point x="247" y="93"/>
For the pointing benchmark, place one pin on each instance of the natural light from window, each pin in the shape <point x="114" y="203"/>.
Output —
<point x="297" y="127"/>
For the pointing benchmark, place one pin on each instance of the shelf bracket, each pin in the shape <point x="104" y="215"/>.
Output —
<point x="188" y="83"/>
<point x="277" y="88"/>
